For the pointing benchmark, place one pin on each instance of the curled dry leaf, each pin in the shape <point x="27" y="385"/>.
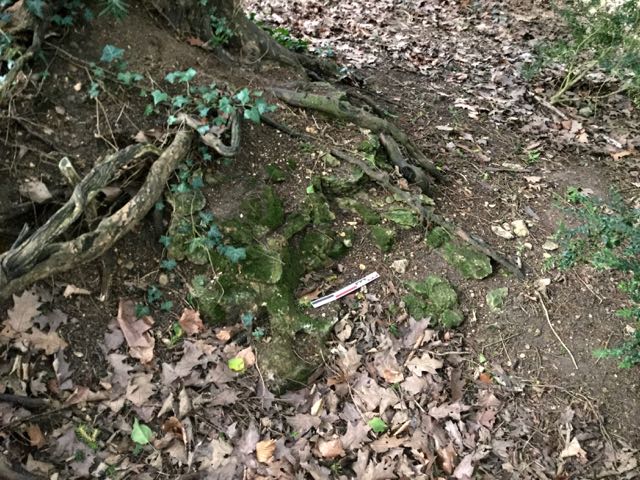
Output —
<point x="70" y="290"/>
<point x="136" y="331"/>
<point x="191" y="322"/>
<point x="36" y="438"/>
<point x="264" y="450"/>
<point x="248" y="356"/>
<point x="330" y="448"/>
<point x="36" y="191"/>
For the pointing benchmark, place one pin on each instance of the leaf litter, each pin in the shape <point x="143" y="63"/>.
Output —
<point x="401" y="409"/>
<point x="389" y="406"/>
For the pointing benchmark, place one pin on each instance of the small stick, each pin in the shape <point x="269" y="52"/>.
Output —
<point x="546" y="314"/>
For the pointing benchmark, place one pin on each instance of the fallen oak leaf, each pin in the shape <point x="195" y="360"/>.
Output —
<point x="25" y="308"/>
<point x="247" y="356"/>
<point x="50" y="342"/>
<point x="136" y="331"/>
<point x="191" y="322"/>
<point x="36" y="438"/>
<point x="331" y="448"/>
<point x="265" y="450"/>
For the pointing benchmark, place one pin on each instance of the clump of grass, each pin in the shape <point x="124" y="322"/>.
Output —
<point x="607" y="236"/>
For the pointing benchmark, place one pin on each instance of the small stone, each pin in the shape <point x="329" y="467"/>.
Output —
<point x="362" y="267"/>
<point x="501" y="232"/>
<point x="550" y="246"/>
<point x="163" y="280"/>
<point x="400" y="266"/>
<point x="520" y="228"/>
<point x="586" y="111"/>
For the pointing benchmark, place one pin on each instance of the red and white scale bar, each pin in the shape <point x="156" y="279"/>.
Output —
<point x="318" y="302"/>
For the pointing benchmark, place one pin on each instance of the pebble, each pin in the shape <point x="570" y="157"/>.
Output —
<point x="400" y="266"/>
<point x="520" y="228"/>
<point x="163" y="280"/>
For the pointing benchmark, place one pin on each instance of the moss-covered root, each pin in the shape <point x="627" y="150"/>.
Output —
<point x="334" y="104"/>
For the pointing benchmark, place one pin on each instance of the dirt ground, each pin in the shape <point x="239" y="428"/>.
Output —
<point x="482" y="143"/>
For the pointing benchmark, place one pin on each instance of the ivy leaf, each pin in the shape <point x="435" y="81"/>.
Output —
<point x="159" y="97"/>
<point x="252" y="114"/>
<point x="94" y="90"/>
<point x="111" y="53"/>
<point x="165" y="240"/>
<point x="236" y="364"/>
<point x="180" y="101"/>
<point x="168" y="264"/>
<point x="225" y="105"/>
<point x="233" y="254"/>
<point x="35" y="7"/>
<point x="181" y="77"/>
<point x="166" y="306"/>
<point x="247" y="319"/>
<point x="378" y="425"/>
<point x="203" y="129"/>
<point x="243" y="96"/>
<point x="140" y="433"/>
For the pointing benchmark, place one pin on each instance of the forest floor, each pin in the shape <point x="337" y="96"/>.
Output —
<point x="499" y="397"/>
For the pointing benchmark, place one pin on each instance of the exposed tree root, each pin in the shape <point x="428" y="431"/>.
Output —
<point x="40" y="255"/>
<point x="412" y="173"/>
<point x="214" y="141"/>
<point x="383" y="180"/>
<point x="334" y="104"/>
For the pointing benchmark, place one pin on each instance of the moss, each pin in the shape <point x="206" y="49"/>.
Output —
<point x="403" y="217"/>
<point x="275" y="173"/>
<point x="314" y="249"/>
<point x="368" y="215"/>
<point x="266" y="210"/>
<point x="317" y="206"/>
<point x="434" y="297"/>
<point x="369" y="145"/>
<point x="495" y="298"/>
<point x="185" y="205"/>
<point x="343" y="183"/>
<point x="469" y="262"/>
<point x="262" y="265"/>
<point x="383" y="237"/>
<point x="295" y="223"/>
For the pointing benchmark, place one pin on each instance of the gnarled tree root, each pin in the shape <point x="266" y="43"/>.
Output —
<point x="40" y="255"/>
<point x="382" y="179"/>
<point x="335" y="105"/>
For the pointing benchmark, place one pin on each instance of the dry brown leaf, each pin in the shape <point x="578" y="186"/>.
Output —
<point x="574" y="450"/>
<point x="36" y="438"/>
<point x="191" y="322"/>
<point x="425" y="363"/>
<point x="25" y="308"/>
<point x="447" y="457"/>
<point x="248" y="356"/>
<point x="621" y="154"/>
<point x="264" y="450"/>
<point x="136" y="331"/>
<point x="331" y="448"/>
<point x="50" y="342"/>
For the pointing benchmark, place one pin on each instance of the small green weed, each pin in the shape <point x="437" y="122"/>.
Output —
<point x="601" y="36"/>
<point x="221" y="30"/>
<point x="607" y="237"/>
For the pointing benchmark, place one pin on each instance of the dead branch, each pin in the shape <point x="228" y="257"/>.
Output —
<point x="383" y="180"/>
<point x="40" y="256"/>
<point x="335" y="105"/>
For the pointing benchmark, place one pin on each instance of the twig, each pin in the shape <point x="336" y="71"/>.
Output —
<point x="546" y="104"/>
<point x="546" y="314"/>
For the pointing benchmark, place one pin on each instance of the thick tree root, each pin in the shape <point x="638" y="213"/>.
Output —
<point x="334" y="104"/>
<point x="382" y="179"/>
<point x="40" y="256"/>
<point x="412" y="173"/>
<point x="212" y="140"/>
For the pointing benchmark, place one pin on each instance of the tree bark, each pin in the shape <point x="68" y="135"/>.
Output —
<point x="190" y="16"/>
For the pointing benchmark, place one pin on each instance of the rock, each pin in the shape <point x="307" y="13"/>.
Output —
<point x="403" y="217"/>
<point x="383" y="237"/>
<point x="470" y="262"/>
<point x="163" y="280"/>
<point x="520" y="228"/>
<point x="501" y="232"/>
<point x="368" y="215"/>
<point x="330" y="160"/>
<point x="434" y="298"/>
<point x="275" y="173"/>
<point x="496" y="297"/>
<point x="550" y="245"/>
<point x="400" y="266"/>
